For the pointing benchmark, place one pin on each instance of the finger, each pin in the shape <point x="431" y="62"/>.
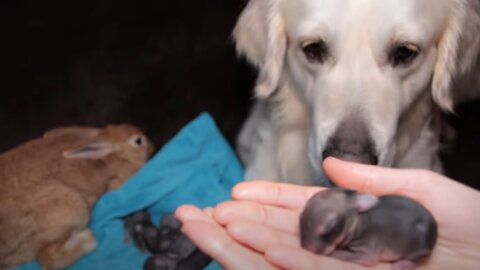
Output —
<point x="259" y="237"/>
<point x="214" y="241"/>
<point x="426" y="187"/>
<point x="378" y="180"/>
<point x="208" y="211"/>
<point x="277" y="218"/>
<point x="287" y="257"/>
<point x="189" y="212"/>
<point x="273" y="193"/>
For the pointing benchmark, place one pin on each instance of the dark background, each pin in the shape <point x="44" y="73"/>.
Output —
<point x="156" y="64"/>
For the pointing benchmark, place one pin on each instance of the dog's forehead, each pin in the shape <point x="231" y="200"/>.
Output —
<point x="410" y="18"/>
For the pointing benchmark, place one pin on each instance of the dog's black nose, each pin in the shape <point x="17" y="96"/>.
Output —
<point x="351" y="142"/>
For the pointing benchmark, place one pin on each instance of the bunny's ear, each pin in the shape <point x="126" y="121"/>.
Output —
<point x="81" y="132"/>
<point x="363" y="202"/>
<point x="91" y="151"/>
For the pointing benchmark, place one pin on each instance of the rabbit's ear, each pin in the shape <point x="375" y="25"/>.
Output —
<point x="363" y="202"/>
<point x="81" y="132"/>
<point x="90" y="151"/>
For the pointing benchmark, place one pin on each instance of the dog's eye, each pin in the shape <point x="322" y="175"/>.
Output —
<point x="315" y="51"/>
<point x="403" y="54"/>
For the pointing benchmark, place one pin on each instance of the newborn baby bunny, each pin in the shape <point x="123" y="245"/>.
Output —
<point x="171" y="249"/>
<point x="366" y="229"/>
<point x="49" y="185"/>
<point x="139" y="227"/>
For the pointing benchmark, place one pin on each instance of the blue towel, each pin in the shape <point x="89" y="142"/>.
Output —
<point x="196" y="167"/>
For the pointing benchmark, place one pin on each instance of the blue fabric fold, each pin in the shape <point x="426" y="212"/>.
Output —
<point x="196" y="167"/>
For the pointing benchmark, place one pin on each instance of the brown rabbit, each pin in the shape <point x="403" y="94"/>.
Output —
<point x="49" y="185"/>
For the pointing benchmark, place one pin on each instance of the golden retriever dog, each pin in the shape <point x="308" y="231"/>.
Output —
<point x="360" y="80"/>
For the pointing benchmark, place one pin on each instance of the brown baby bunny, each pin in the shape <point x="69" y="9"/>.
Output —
<point x="49" y="185"/>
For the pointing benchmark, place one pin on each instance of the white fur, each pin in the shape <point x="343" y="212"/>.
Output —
<point x="302" y="103"/>
<point x="83" y="238"/>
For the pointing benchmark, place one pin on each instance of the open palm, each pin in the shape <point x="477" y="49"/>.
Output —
<point x="259" y="229"/>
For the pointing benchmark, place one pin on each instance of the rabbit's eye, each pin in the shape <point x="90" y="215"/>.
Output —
<point x="137" y="141"/>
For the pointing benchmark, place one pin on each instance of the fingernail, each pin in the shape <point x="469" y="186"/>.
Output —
<point x="275" y="253"/>
<point x="186" y="212"/>
<point x="241" y="192"/>
<point x="333" y="158"/>
<point x="236" y="229"/>
<point x="208" y="211"/>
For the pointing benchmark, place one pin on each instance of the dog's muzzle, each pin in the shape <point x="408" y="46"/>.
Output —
<point x="351" y="142"/>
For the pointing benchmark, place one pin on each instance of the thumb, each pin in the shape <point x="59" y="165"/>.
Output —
<point x="377" y="180"/>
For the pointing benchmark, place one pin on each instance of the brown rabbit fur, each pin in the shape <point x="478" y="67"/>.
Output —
<point x="49" y="185"/>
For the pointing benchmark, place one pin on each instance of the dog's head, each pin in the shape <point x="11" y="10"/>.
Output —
<point x="359" y="65"/>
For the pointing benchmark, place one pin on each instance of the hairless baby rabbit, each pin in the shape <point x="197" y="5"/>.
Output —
<point x="366" y="229"/>
<point x="49" y="185"/>
<point x="171" y="249"/>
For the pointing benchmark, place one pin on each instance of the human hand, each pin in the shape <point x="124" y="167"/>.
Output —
<point x="215" y="241"/>
<point x="265" y="216"/>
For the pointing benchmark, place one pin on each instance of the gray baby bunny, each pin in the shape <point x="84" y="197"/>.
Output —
<point x="366" y="229"/>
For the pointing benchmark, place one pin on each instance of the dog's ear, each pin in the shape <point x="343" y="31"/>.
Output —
<point x="260" y="37"/>
<point x="458" y="50"/>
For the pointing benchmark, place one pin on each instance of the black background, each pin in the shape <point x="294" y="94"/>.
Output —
<point x="155" y="64"/>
